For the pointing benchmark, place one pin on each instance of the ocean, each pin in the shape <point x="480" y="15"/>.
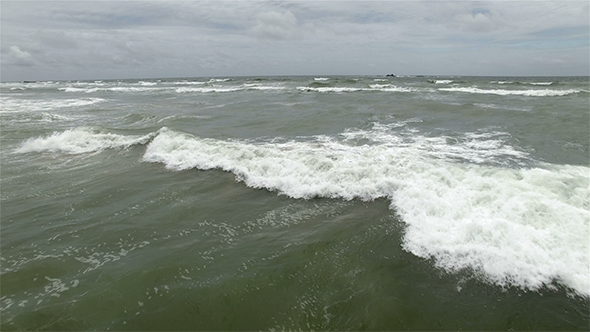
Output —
<point x="296" y="203"/>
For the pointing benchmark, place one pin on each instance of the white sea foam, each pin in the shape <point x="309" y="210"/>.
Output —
<point x="527" y="93"/>
<point x="81" y="140"/>
<point x="321" y="78"/>
<point x="523" y="226"/>
<point x="541" y="83"/>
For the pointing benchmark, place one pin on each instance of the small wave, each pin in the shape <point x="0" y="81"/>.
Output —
<point x="380" y="86"/>
<point x="321" y="78"/>
<point x="189" y="83"/>
<point x="527" y="93"/>
<point x="372" y="87"/>
<point x="180" y="118"/>
<point x="121" y="89"/>
<point x="147" y="83"/>
<point x="208" y="90"/>
<point x="522" y="83"/>
<point x="11" y="105"/>
<point x="503" y="107"/>
<point x="134" y="89"/>
<point x="73" y="89"/>
<point x="441" y="81"/>
<point x="215" y="80"/>
<point x="263" y="87"/>
<point x="81" y="140"/>
<point x="39" y="116"/>
<point x="330" y="89"/>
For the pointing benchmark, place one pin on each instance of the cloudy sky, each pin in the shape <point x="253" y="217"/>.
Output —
<point x="52" y="40"/>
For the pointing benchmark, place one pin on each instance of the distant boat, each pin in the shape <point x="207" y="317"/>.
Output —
<point x="390" y="75"/>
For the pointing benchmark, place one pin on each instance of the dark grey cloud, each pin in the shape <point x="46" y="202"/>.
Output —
<point x="115" y="39"/>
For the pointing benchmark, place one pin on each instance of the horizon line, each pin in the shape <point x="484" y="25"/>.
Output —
<point x="311" y="75"/>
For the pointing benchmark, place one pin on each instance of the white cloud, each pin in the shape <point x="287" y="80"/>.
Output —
<point x="479" y="21"/>
<point x="276" y="26"/>
<point x="209" y="38"/>
<point x="19" y="58"/>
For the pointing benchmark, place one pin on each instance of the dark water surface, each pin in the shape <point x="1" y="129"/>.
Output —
<point x="287" y="203"/>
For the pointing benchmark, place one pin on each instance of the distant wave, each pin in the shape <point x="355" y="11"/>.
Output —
<point x="81" y="140"/>
<point x="219" y="89"/>
<point x="527" y="93"/>
<point x="521" y="83"/>
<point x="189" y="83"/>
<point x="372" y="87"/>
<point x="10" y="105"/>
<point x="123" y="89"/>
<point x="441" y="81"/>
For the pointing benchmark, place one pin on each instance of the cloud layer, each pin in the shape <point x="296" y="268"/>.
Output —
<point x="112" y="39"/>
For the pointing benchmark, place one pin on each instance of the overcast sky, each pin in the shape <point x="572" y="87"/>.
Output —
<point x="52" y="40"/>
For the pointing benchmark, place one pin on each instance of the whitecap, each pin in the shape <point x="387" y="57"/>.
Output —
<point x="81" y="140"/>
<point x="525" y="227"/>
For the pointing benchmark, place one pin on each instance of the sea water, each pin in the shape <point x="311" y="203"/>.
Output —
<point x="296" y="203"/>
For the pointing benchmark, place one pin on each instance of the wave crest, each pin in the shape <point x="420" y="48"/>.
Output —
<point x="81" y="140"/>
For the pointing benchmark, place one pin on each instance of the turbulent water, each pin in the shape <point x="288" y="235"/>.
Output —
<point x="287" y="203"/>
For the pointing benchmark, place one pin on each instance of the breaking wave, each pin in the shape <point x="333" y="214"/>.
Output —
<point x="524" y="223"/>
<point x="527" y="93"/>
